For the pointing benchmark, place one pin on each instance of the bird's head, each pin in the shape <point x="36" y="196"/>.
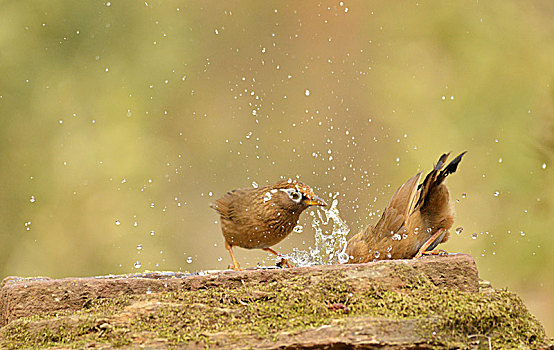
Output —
<point x="291" y="195"/>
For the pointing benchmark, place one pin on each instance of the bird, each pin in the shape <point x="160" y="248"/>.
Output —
<point x="415" y="221"/>
<point x="258" y="218"/>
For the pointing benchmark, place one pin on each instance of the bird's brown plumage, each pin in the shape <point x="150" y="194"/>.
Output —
<point x="416" y="219"/>
<point x="258" y="218"/>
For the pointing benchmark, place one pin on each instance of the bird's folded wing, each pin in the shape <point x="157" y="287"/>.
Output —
<point x="399" y="208"/>
<point x="225" y="205"/>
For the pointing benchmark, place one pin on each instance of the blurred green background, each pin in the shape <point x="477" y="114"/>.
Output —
<point x="121" y="121"/>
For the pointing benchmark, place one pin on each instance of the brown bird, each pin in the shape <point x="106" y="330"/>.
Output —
<point x="416" y="220"/>
<point x="258" y="218"/>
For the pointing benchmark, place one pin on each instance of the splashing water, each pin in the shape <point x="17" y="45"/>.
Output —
<point x="330" y="240"/>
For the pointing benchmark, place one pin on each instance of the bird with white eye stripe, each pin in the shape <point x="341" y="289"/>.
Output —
<point x="258" y="218"/>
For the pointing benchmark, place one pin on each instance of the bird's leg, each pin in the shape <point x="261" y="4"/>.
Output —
<point x="235" y="266"/>
<point x="283" y="261"/>
<point x="430" y="241"/>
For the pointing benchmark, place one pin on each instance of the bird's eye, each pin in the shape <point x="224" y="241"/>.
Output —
<point x="294" y="195"/>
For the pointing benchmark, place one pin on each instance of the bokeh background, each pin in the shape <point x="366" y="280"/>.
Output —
<point x="121" y="121"/>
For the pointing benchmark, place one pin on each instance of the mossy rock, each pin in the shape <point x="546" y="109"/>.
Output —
<point x="351" y="306"/>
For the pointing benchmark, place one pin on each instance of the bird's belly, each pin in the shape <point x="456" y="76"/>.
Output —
<point x="254" y="238"/>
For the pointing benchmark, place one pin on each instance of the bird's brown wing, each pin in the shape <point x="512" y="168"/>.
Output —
<point x="400" y="207"/>
<point x="225" y="205"/>
<point x="398" y="210"/>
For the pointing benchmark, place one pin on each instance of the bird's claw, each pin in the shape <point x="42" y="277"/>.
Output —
<point x="235" y="268"/>
<point x="285" y="263"/>
<point x="440" y="252"/>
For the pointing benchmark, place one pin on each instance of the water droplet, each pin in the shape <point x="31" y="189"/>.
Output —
<point x="496" y="193"/>
<point x="522" y="233"/>
<point x="139" y="247"/>
<point x="376" y="254"/>
<point x="137" y="265"/>
<point x="189" y="260"/>
<point x="117" y="222"/>
<point x="108" y="4"/>
<point x="459" y="230"/>
<point x="298" y="229"/>
<point x="219" y="259"/>
<point x="152" y="233"/>
<point x="330" y="239"/>
<point x="32" y="199"/>
<point x="464" y="195"/>
<point x="267" y="197"/>
<point x="255" y="184"/>
<point x="544" y="165"/>
<point x="307" y="92"/>
<point x="474" y="235"/>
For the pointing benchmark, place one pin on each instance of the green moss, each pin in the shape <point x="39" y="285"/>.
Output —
<point x="445" y="316"/>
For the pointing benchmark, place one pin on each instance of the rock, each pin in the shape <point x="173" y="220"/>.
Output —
<point x="401" y="304"/>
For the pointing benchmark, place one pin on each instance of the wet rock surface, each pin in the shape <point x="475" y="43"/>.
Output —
<point x="403" y="304"/>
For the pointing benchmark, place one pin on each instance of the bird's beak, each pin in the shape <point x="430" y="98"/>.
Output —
<point x="315" y="201"/>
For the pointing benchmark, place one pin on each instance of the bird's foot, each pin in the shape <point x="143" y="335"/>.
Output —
<point x="440" y="252"/>
<point x="233" y="267"/>
<point x="285" y="263"/>
<point x="427" y="244"/>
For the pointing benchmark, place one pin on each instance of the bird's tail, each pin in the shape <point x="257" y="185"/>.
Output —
<point x="450" y="168"/>
<point x="437" y="176"/>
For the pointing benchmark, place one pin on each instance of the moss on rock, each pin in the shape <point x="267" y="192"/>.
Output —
<point x="445" y="317"/>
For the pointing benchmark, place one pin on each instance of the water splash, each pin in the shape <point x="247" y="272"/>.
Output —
<point x="330" y="240"/>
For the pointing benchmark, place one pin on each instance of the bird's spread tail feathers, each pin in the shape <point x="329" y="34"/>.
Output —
<point x="437" y="176"/>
